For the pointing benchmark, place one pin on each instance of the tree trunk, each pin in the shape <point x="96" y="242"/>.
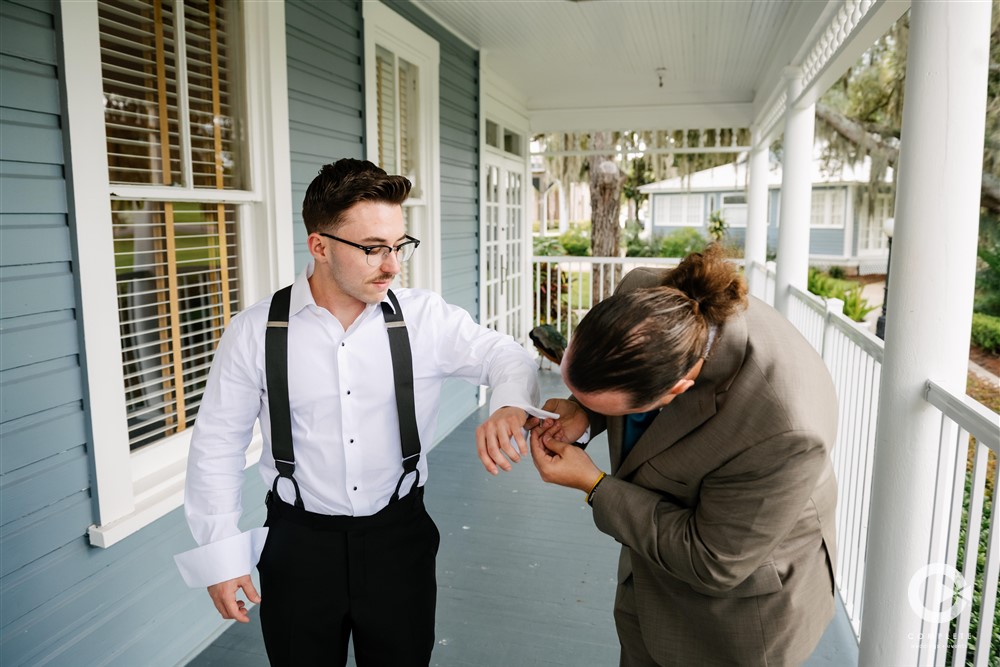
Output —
<point x="606" y="181"/>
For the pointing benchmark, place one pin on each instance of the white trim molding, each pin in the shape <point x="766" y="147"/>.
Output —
<point x="132" y="489"/>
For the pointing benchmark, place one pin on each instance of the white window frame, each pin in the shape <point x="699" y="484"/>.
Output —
<point x="725" y="208"/>
<point x="386" y="28"/>
<point x="884" y="201"/>
<point x="133" y="489"/>
<point x="662" y="199"/>
<point x="827" y="195"/>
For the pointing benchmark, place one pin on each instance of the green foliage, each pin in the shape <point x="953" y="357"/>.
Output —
<point x="855" y="306"/>
<point x="836" y="272"/>
<point x="576" y="242"/>
<point x="682" y="243"/>
<point x="717" y="226"/>
<point x="633" y="244"/>
<point x="548" y="245"/>
<point x="987" y="298"/>
<point x="637" y="175"/>
<point x="986" y="332"/>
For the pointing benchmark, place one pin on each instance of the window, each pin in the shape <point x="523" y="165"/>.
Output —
<point x="734" y="209"/>
<point x="172" y="118"/>
<point x="172" y="235"/>
<point x="401" y="98"/>
<point x="504" y="139"/>
<point x="828" y="207"/>
<point x="685" y="210"/>
<point x="872" y="234"/>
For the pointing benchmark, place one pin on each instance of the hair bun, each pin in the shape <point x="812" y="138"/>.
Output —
<point x="712" y="282"/>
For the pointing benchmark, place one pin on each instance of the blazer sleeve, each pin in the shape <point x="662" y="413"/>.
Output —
<point x="744" y="509"/>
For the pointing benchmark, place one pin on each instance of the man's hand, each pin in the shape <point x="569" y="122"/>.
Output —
<point x="563" y="464"/>
<point x="224" y="596"/>
<point x="572" y="423"/>
<point x="493" y="439"/>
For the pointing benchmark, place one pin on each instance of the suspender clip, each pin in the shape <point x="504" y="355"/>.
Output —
<point x="410" y="463"/>
<point x="285" y="468"/>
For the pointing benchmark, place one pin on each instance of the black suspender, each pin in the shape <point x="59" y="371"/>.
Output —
<point x="276" y="369"/>
<point x="402" y="375"/>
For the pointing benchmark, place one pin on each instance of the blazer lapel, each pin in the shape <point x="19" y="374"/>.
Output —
<point x="689" y="410"/>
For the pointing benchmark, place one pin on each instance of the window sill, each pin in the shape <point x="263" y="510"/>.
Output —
<point x="158" y="493"/>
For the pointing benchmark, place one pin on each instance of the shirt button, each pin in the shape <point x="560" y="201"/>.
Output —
<point x="351" y="441"/>
<point x="343" y="344"/>
<point x="348" y="392"/>
<point x="355" y="488"/>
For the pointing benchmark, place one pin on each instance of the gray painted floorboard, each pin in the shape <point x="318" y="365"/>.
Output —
<point x="524" y="577"/>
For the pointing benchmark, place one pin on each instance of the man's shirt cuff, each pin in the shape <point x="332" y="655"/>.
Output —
<point x="223" y="560"/>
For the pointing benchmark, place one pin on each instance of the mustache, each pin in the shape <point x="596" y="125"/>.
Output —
<point x="384" y="276"/>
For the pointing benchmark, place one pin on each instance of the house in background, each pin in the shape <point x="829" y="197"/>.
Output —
<point x="844" y="229"/>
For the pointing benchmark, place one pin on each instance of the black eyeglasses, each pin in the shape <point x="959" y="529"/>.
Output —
<point x="376" y="254"/>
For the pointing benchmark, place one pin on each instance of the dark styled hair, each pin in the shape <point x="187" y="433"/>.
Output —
<point x="644" y="341"/>
<point x="341" y="185"/>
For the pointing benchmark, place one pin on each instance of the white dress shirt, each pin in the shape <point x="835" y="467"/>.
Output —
<point x="345" y="428"/>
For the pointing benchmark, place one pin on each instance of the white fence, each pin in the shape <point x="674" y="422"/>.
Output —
<point x="563" y="288"/>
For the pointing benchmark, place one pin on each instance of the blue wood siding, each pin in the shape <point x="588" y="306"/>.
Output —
<point x="64" y="602"/>
<point x="826" y="241"/>
<point x="325" y="53"/>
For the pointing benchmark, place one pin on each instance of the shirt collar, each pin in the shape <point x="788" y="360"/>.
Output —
<point x="302" y="296"/>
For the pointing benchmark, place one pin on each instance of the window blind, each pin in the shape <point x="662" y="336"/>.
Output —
<point x="168" y="95"/>
<point x="176" y="266"/>
<point x="385" y="74"/>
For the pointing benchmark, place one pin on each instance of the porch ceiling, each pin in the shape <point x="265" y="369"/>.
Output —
<point x="598" y="64"/>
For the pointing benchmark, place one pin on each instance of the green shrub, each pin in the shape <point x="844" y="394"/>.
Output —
<point x="855" y="305"/>
<point x="826" y="286"/>
<point x="548" y="245"/>
<point x="682" y="243"/>
<point x="986" y="332"/>
<point x="576" y="241"/>
<point x="836" y="272"/>
<point x="635" y="246"/>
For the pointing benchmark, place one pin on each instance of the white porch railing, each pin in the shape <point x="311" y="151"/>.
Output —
<point x="563" y="285"/>
<point x="965" y="491"/>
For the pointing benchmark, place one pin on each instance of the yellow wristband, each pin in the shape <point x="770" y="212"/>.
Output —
<point x="590" y="494"/>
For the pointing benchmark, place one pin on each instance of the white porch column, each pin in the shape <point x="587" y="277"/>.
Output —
<point x="929" y="309"/>
<point x="755" y="246"/>
<point x="796" y="193"/>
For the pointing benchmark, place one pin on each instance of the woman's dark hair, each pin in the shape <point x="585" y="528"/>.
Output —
<point x="341" y="185"/>
<point x="644" y="341"/>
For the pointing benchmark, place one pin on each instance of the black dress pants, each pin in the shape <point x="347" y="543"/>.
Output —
<point x="326" y="578"/>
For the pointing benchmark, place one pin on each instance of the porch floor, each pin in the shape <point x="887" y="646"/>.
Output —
<point x="524" y="577"/>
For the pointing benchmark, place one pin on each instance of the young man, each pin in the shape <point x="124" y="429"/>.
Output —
<point x="345" y="403"/>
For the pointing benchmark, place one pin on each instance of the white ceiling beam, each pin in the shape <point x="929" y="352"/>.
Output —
<point x="679" y="116"/>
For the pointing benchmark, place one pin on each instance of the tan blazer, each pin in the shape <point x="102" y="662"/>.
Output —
<point x="725" y="506"/>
